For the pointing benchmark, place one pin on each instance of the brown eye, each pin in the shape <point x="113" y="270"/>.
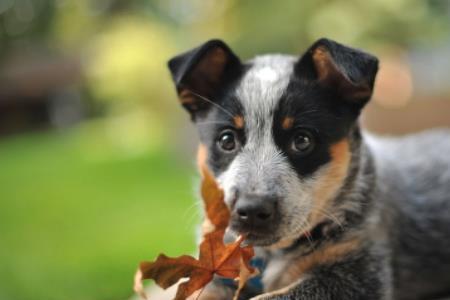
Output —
<point x="302" y="142"/>
<point x="227" y="141"/>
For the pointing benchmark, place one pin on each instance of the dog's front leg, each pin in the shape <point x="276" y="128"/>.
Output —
<point x="359" y="276"/>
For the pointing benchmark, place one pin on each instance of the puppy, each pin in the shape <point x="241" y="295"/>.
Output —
<point x="333" y="213"/>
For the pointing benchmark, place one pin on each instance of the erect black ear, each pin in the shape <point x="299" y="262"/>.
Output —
<point x="348" y="72"/>
<point x="201" y="73"/>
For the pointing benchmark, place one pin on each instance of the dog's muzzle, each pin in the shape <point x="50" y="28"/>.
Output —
<point x="255" y="214"/>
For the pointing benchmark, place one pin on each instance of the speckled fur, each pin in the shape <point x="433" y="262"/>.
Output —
<point x="384" y="228"/>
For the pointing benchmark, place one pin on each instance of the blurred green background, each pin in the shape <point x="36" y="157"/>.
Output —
<point x="96" y="157"/>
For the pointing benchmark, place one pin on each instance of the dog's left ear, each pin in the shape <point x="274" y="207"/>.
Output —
<point x="202" y="72"/>
<point x="349" y="72"/>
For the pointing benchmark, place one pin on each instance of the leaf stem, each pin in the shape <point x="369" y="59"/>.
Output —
<point x="200" y="293"/>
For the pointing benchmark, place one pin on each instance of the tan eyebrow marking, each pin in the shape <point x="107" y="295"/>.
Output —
<point x="287" y="123"/>
<point x="239" y="122"/>
<point x="186" y="97"/>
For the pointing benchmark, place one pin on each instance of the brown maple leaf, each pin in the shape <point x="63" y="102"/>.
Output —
<point x="227" y="260"/>
<point x="217" y="212"/>
<point x="215" y="258"/>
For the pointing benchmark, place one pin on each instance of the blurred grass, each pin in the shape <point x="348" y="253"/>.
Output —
<point x="72" y="227"/>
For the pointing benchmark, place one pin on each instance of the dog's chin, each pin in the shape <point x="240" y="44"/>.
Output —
<point x="261" y="240"/>
<point x="254" y="238"/>
<point x="273" y="240"/>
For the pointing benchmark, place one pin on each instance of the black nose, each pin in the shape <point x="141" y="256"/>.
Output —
<point x="255" y="210"/>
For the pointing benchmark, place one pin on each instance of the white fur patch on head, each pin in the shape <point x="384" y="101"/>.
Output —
<point x="259" y="92"/>
<point x="263" y="85"/>
<point x="267" y="74"/>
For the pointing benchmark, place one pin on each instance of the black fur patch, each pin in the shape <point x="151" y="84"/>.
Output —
<point x="215" y="121"/>
<point x="316" y="110"/>
<point x="203" y="73"/>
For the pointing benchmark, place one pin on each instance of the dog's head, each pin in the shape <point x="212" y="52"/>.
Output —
<point x="275" y="129"/>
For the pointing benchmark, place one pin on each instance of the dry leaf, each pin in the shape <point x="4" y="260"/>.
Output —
<point x="244" y="275"/>
<point x="227" y="260"/>
<point x="216" y="210"/>
<point x="215" y="258"/>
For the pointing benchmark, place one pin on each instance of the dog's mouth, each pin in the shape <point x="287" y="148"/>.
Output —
<point x="256" y="236"/>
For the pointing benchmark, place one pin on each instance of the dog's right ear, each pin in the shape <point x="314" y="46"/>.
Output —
<point x="201" y="73"/>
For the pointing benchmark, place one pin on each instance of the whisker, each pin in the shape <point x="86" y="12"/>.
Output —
<point x="194" y="214"/>
<point x="195" y="219"/>
<point x="213" y="103"/>
<point x="330" y="216"/>
<point x="308" y="237"/>
<point x="189" y="209"/>
<point x="212" y="122"/>
<point x="304" y="228"/>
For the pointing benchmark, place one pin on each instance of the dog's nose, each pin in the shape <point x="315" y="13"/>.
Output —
<point x="255" y="210"/>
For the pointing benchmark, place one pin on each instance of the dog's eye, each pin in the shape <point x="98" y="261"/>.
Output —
<point x="302" y="142"/>
<point x="227" y="141"/>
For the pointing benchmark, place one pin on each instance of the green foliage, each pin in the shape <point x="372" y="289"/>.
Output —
<point x="24" y="22"/>
<point x="74" y="225"/>
<point x="292" y="25"/>
<point x="127" y="64"/>
<point x="126" y="43"/>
